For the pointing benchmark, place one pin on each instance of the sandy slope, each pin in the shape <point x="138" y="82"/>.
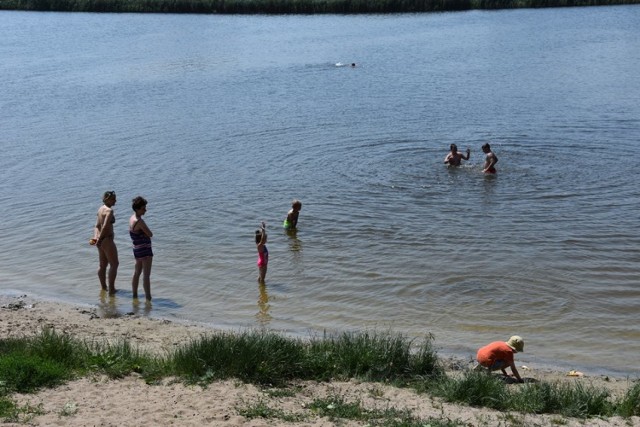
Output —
<point x="99" y="401"/>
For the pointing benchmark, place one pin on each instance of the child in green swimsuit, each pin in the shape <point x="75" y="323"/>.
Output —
<point x="291" y="221"/>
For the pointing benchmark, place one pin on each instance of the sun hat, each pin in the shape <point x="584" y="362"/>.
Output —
<point x="517" y="343"/>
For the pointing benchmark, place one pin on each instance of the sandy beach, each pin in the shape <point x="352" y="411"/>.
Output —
<point x="100" y="401"/>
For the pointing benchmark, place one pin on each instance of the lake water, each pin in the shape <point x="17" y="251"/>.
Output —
<point x="220" y="121"/>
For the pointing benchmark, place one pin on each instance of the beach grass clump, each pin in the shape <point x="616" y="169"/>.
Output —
<point x="255" y="356"/>
<point x="269" y="358"/>
<point x="51" y="358"/>
<point x="119" y="359"/>
<point x="629" y="405"/>
<point x="45" y="360"/>
<point x="370" y="356"/>
<point x="477" y="388"/>
<point x="474" y="388"/>
<point x="25" y="373"/>
<point x="570" y="400"/>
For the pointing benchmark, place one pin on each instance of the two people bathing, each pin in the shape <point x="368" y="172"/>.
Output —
<point x="454" y="158"/>
<point x="103" y="239"/>
<point x="290" y="224"/>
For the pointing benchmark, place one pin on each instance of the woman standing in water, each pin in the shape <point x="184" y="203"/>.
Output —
<point x="141" y="238"/>
<point x="103" y="236"/>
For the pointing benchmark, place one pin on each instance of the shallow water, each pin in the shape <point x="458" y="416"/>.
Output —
<point x="220" y="121"/>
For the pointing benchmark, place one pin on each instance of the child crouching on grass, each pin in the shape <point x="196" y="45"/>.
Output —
<point x="499" y="355"/>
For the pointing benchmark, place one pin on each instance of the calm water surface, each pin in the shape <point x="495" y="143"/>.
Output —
<point x="220" y="121"/>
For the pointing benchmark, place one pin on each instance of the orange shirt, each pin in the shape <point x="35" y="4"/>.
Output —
<point x="493" y="352"/>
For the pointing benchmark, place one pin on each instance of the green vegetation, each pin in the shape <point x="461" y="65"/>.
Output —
<point x="270" y="359"/>
<point x="629" y="406"/>
<point x="290" y="6"/>
<point x="335" y="408"/>
<point x="570" y="400"/>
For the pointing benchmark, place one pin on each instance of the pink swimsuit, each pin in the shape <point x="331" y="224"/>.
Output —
<point x="263" y="257"/>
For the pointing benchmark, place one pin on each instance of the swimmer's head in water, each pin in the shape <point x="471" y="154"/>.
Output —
<point x="486" y="148"/>
<point x="454" y="148"/>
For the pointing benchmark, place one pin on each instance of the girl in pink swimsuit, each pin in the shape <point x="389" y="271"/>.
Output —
<point x="263" y="253"/>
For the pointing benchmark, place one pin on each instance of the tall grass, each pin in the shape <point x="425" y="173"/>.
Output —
<point x="567" y="399"/>
<point x="474" y="389"/>
<point x="258" y="357"/>
<point x="629" y="405"/>
<point x="570" y="400"/>
<point x="267" y="358"/>
<point x="289" y="6"/>
<point x="371" y="356"/>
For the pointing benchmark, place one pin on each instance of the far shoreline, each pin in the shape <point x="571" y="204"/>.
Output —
<point x="292" y="7"/>
<point x="453" y="360"/>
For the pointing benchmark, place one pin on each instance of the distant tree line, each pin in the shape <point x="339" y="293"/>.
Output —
<point x="290" y="6"/>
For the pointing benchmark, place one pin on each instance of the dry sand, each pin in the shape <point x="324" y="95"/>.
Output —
<point x="100" y="401"/>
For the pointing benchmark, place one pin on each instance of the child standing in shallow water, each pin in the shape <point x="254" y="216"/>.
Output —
<point x="263" y="253"/>
<point x="291" y="221"/>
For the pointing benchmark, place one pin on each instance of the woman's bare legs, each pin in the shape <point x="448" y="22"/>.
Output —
<point x="143" y="266"/>
<point x="108" y="254"/>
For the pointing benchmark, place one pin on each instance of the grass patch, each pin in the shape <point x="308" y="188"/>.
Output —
<point x="474" y="389"/>
<point x="274" y="361"/>
<point x="118" y="360"/>
<point x="336" y="408"/>
<point x="370" y="356"/>
<point x="629" y="405"/>
<point x="268" y="358"/>
<point x="570" y="400"/>
<point x="12" y="413"/>
<point x="257" y="357"/>
<point x="261" y="409"/>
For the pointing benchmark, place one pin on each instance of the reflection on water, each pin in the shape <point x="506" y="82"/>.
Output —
<point x="107" y="308"/>
<point x="294" y="243"/>
<point x="146" y="309"/>
<point x="263" y="315"/>
<point x="114" y="306"/>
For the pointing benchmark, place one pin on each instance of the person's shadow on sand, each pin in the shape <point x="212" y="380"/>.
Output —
<point x="512" y="380"/>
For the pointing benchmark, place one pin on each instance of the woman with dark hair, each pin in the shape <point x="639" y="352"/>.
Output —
<point x="103" y="239"/>
<point x="141" y="238"/>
